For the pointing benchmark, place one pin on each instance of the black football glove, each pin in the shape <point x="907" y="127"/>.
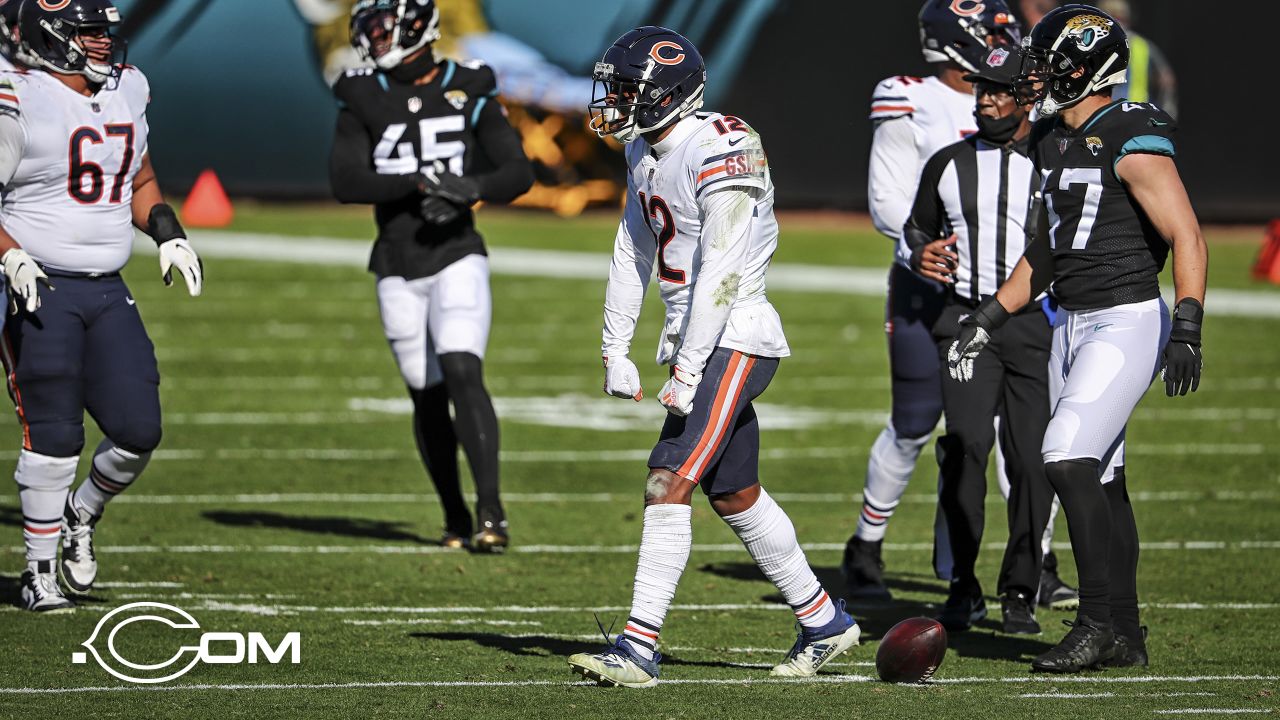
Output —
<point x="1182" y="358"/>
<point x="445" y="195"/>
<point x="975" y="333"/>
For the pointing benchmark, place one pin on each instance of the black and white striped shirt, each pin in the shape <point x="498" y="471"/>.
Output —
<point x="980" y="193"/>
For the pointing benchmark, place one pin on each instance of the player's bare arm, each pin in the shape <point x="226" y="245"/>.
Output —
<point x="1153" y="181"/>
<point x="157" y="219"/>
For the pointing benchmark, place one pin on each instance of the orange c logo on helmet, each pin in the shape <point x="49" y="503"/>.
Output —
<point x="53" y="6"/>
<point x="655" y="52"/>
<point x="965" y="8"/>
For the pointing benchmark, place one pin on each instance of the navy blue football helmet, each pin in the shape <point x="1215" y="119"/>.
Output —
<point x="1073" y="52"/>
<point x="72" y="37"/>
<point x="964" y="31"/>
<point x="389" y="31"/>
<point x="648" y="79"/>
<point x="9" y="27"/>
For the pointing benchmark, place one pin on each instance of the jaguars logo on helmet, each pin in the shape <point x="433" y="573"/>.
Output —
<point x="1087" y="30"/>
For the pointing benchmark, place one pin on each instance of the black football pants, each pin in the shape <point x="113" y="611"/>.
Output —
<point x="1010" y="380"/>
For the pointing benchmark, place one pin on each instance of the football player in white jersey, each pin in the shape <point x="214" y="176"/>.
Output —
<point x="913" y="118"/>
<point x="76" y="181"/>
<point x="700" y="205"/>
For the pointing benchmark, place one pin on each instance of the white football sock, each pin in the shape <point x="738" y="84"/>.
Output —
<point x="664" y="551"/>
<point x="771" y="539"/>
<point x="889" y="469"/>
<point x="43" y="483"/>
<point x="111" y="472"/>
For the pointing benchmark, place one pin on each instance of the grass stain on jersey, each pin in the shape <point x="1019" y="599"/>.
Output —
<point x="728" y="290"/>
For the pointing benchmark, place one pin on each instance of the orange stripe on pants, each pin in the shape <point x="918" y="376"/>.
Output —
<point x="713" y="435"/>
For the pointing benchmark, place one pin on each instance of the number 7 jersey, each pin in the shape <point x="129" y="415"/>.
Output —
<point x="69" y="203"/>
<point x="666" y="224"/>
<point x="1105" y="250"/>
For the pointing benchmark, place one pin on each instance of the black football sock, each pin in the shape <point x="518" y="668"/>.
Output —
<point x="476" y="425"/>
<point x="1089" y="521"/>
<point x="1124" y="558"/>
<point x="438" y="446"/>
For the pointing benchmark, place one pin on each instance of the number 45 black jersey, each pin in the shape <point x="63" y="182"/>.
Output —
<point x="1105" y="250"/>
<point x="388" y="130"/>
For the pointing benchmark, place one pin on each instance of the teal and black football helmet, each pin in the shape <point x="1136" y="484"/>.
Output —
<point x="388" y="32"/>
<point x="1073" y="52"/>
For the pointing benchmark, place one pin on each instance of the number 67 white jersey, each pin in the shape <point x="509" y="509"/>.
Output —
<point x="69" y="202"/>
<point x="667" y="225"/>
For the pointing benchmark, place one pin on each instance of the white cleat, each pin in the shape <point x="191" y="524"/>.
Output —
<point x="815" y="648"/>
<point x="79" y="566"/>
<point x="40" y="591"/>
<point x="617" y="666"/>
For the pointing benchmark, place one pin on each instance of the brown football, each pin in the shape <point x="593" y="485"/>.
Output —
<point x="911" y="651"/>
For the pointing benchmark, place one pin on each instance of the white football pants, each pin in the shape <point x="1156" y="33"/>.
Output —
<point x="428" y="317"/>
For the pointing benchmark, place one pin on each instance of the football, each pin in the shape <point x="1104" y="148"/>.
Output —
<point x="911" y="651"/>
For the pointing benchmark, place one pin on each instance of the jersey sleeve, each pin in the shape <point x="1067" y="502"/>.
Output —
<point x="891" y="175"/>
<point x="634" y="250"/>
<point x="892" y="98"/>
<point x="734" y="158"/>
<point x="10" y="100"/>
<point x="926" y="222"/>
<point x="1143" y="128"/>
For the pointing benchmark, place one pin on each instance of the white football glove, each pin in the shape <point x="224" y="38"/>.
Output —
<point x="178" y="253"/>
<point x="621" y="378"/>
<point x="973" y="338"/>
<point x="25" y="277"/>
<point x="677" y="394"/>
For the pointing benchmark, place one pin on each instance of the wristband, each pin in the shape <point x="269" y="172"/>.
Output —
<point x="991" y="315"/>
<point x="163" y="225"/>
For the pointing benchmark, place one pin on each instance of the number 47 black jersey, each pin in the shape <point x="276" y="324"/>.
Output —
<point x="388" y="130"/>
<point x="1105" y="250"/>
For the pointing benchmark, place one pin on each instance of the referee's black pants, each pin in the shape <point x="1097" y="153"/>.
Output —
<point x="1010" y="379"/>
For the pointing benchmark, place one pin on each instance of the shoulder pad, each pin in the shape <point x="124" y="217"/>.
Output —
<point x="729" y="153"/>
<point x="894" y="97"/>
<point x="1139" y="117"/>
<point x="1137" y="128"/>
<point x="134" y="80"/>
<point x="349" y="83"/>
<point x="473" y="76"/>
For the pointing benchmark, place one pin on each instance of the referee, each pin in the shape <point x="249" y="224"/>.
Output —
<point x="976" y="195"/>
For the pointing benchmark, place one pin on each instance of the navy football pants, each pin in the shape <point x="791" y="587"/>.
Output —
<point x="913" y="308"/>
<point x="84" y="349"/>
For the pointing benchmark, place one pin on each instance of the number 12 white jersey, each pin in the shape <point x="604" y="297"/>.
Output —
<point x="69" y="203"/>
<point x="711" y="248"/>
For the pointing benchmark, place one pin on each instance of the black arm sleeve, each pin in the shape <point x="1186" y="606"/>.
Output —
<point x="512" y="173"/>
<point x="351" y="173"/>
<point x="926" y="223"/>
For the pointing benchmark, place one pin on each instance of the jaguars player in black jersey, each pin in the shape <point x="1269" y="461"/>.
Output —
<point x="423" y="140"/>
<point x="1113" y="206"/>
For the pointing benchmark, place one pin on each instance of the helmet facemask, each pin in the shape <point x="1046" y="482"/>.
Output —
<point x="380" y="35"/>
<point x="625" y="108"/>
<point x="90" y="50"/>
<point x="1055" y="82"/>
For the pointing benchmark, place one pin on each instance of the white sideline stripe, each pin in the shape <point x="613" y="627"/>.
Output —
<point x="553" y="497"/>
<point x="536" y="456"/>
<point x="1212" y="711"/>
<point x="604" y="549"/>
<point x="818" y="680"/>
<point x="842" y="280"/>
<point x="1067" y="696"/>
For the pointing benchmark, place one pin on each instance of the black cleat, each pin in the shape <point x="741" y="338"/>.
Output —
<point x="963" y="609"/>
<point x="864" y="570"/>
<point x="492" y="538"/>
<point x="1054" y="593"/>
<point x="1088" y="645"/>
<point x="1018" y="614"/>
<point x="1130" y="651"/>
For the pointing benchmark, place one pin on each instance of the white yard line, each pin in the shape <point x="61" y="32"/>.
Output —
<point x="840" y="280"/>
<point x="1213" y="711"/>
<point x="752" y="680"/>
<point x="1173" y="545"/>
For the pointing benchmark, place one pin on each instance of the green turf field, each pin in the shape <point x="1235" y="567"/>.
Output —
<point x="287" y="496"/>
